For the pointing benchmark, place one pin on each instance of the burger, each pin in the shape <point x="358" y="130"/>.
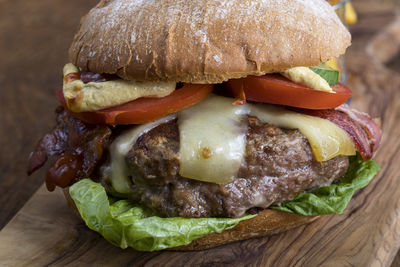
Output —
<point x="190" y="124"/>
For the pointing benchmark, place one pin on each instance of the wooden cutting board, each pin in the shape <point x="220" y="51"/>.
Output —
<point x="46" y="232"/>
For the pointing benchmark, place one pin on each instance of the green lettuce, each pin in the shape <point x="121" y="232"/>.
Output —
<point x="125" y="224"/>
<point x="333" y="198"/>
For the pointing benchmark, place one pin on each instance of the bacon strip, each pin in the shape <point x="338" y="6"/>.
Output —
<point x="372" y="129"/>
<point x="51" y="144"/>
<point x="78" y="148"/>
<point x="365" y="141"/>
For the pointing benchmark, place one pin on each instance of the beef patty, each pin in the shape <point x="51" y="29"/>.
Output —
<point x="278" y="165"/>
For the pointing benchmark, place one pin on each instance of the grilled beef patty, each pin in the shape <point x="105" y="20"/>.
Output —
<point x="278" y="165"/>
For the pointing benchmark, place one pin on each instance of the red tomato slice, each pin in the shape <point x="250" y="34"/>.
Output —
<point x="276" y="89"/>
<point x="144" y="109"/>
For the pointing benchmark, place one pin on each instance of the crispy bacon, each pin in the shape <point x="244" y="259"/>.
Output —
<point x="371" y="127"/>
<point x="364" y="132"/>
<point x="78" y="147"/>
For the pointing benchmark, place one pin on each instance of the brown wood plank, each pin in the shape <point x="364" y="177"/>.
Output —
<point x="45" y="231"/>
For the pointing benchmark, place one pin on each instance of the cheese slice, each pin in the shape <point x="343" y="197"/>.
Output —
<point x="81" y="97"/>
<point x="212" y="140"/>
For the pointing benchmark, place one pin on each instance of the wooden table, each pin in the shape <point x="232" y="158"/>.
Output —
<point x="34" y="39"/>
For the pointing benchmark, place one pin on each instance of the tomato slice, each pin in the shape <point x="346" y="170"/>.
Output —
<point x="144" y="109"/>
<point x="276" y="89"/>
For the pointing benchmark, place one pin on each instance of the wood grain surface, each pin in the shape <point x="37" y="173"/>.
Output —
<point x="34" y="38"/>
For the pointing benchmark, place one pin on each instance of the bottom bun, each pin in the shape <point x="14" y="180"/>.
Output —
<point x="267" y="222"/>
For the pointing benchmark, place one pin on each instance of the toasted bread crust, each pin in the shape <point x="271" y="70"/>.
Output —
<point x="267" y="222"/>
<point x="206" y="41"/>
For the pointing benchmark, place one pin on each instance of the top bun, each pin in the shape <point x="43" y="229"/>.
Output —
<point x="206" y="41"/>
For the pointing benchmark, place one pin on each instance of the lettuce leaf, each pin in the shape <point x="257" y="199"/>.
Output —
<point x="125" y="224"/>
<point x="333" y="198"/>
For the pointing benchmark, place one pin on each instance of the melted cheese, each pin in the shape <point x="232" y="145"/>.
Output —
<point x="212" y="136"/>
<point x="81" y="97"/>
<point x="212" y="140"/>
<point x="119" y="149"/>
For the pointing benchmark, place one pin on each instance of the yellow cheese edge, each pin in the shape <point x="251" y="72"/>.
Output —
<point x="327" y="140"/>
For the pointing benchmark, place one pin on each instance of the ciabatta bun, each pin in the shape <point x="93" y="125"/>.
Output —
<point x="206" y="41"/>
